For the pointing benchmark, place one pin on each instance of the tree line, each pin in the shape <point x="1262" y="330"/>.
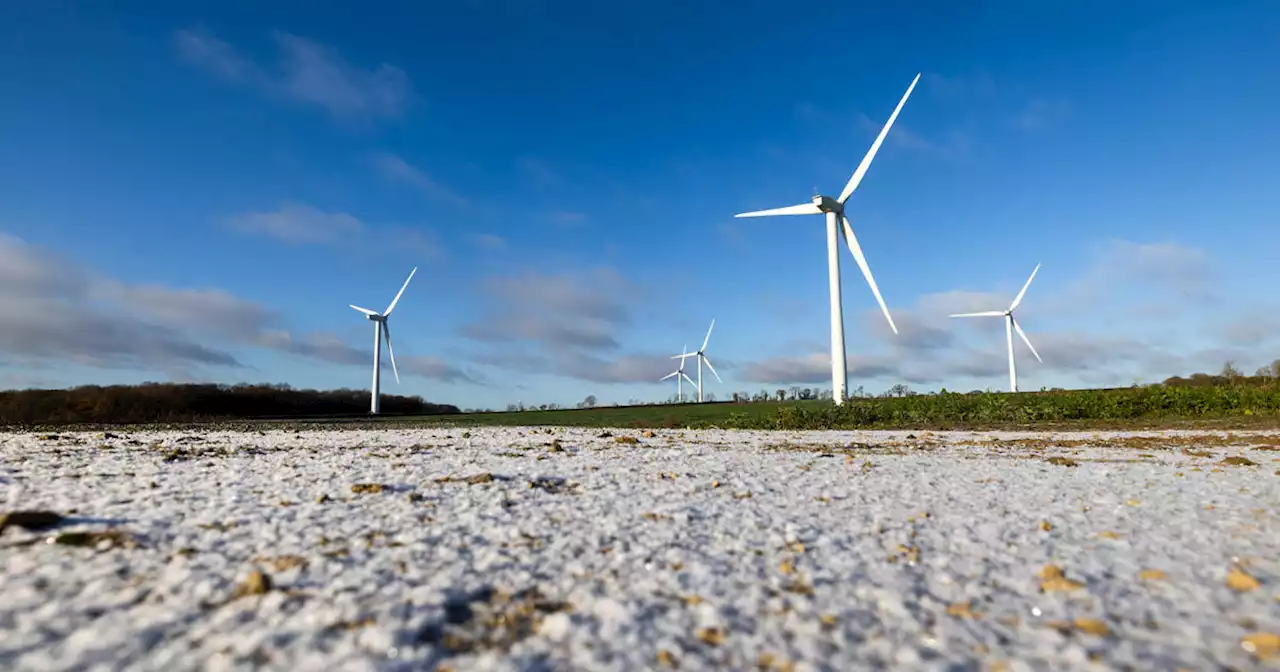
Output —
<point x="172" y="402"/>
<point x="1229" y="375"/>
<point x="177" y="403"/>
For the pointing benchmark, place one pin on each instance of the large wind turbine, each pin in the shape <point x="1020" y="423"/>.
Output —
<point x="838" y="223"/>
<point x="381" y="330"/>
<point x="680" y="374"/>
<point x="701" y="354"/>
<point x="1010" y="325"/>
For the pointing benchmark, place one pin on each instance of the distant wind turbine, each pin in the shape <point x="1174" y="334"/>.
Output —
<point x="679" y="374"/>
<point x="838" y="223"/>
<point x="381" y="330"/>
<point x="701" y="354"/>
<point x="1010" y="325"/>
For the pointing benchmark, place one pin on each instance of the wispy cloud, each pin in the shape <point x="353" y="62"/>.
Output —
<point x="568" y="217"/>
<point x="1172" y="275"/>
<point x="784" y="307"/>
<point x="396" y="169"/>
<point x="953" y="144"/>
<point x="538" y="172"/>
<point x="489" y="241"/>
<point x="1041" y="113"/>
<point x="55" y="311"/>
<point x="814" y="369"/>
<point x="558" y="310"/>
<point x="301" y="224"/>
<point x="579" y="365"/>
<point x="1066" y="318"/>
<point x="306" y="72"/>
<point x="563" y="324"/>
<point x="1254" y="326"/>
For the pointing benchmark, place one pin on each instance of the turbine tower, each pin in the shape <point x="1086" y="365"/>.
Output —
<point x="701" y="354"/>
<point x="679" y="374"/>
<point x="381" y="330"/>
<point x="838" y="224"/>
<point x="1010" y="325"/>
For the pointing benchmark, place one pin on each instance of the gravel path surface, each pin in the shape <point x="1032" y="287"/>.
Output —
<point x="518" y="549"/>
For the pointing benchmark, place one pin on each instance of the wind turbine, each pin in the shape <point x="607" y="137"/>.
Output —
<point x="381" y="330"/>
<point x="1010" y="325"/>
<point x="838" y="223"/>
<point x="701" y="354"/>
<point x="680" y="374"/>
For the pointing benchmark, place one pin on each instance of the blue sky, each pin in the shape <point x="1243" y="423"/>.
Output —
<point x="197" y="191"/>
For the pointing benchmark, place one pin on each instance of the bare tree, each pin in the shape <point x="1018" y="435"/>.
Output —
<point x="899" y="390"/>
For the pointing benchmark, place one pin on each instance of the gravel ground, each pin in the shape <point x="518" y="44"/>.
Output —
<point x="519" y="549"/>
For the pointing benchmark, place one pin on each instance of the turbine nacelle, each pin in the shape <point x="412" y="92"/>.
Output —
<point x="828" y="204"/>
<point x="371" y="315"/>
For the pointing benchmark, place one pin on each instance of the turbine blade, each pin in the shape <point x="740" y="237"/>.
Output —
<point x="866" y="270"/>
<point x="875" y="146"/>
<point x="684" y="356"/>
<point x="669" y="375"/>
<point x="1018" y="299"/>
<point x="366" y="311"/>
<point x="686" y="377"/>
<point x="713" y="369"/>
<point x="988" y="313"/>
<point x="708" y="338"/>
<point x="401" y="292"/>
<point x="1026" y="340"/>
<point x="386" y="334"/>
<point x="802" y="209"/>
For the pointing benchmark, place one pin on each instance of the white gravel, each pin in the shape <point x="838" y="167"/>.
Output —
<point x="690" y="549"/>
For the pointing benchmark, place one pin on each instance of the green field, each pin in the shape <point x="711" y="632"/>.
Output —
<point x="1215" y="402"/>
<point x="719" y="414"/>
<point x="1245" y="404"/>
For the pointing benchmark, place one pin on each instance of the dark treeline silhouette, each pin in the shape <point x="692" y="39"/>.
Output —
<point x="167" y="402"/>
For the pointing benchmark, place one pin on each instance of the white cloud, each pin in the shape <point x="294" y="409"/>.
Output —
<point x="1041" y="113"/>
<point x="489" y="241"/>
<point x="397" y="169"/>
<point x="568" y="217"/>
<point x="1125" y="278"/>
<point x="307" y="72"/>
<point x="563" y="324"/>
<point x="55" y="311"/>
<point x="301" y="224"/>
<point x="953" y="144"/>
<point x="815" y="369"/>
<point x="537" y="171"/>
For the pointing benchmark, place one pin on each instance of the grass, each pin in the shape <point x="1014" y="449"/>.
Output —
<point x="1227" y="405"/>
<point x="1152" y="406"/>
<point x="719" y="414"/>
